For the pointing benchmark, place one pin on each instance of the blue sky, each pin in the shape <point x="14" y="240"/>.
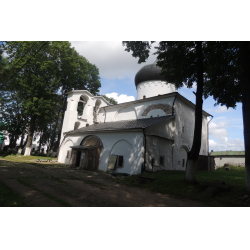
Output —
<point x="117" y="71"/>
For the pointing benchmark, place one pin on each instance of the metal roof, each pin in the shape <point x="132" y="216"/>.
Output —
<point x="149" y="72"/>
<point x="122" y="125"/>
<point x="226" y="153"/>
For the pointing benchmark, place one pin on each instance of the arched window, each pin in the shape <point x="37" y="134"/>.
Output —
<point x="92" y="141"/>
<point x="81" y="104"/>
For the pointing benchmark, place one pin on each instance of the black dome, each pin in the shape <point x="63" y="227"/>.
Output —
<point x="147" y="73"/>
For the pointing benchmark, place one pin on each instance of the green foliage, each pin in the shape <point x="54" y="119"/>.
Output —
<point x="139" y="49"/>
<point x="110" y="100"/>
<point x="7" y="152"/>
<point x="34" y="82"/>
<point x="223" y="73"/>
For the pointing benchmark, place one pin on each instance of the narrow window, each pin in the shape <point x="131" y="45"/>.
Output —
<point x="162" y="160"/>
<point x="120" y="161"/>
<point x="183" y="163"/>
<point x="182" y="129"/>
<point x="153" y="161"/>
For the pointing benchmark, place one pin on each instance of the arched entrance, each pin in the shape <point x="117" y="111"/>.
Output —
<point x="183" y="157"/>
<point x="87" y="154"/>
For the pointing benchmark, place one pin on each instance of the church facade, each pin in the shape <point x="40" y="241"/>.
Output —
<point x="152" y="133"/>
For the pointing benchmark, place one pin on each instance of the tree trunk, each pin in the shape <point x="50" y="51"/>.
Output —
<point x="54" y="131"/>
<point x="40" y="141"/>
<point x="23" y="133"/>
<point x="245" y="85"/>
<point x="63" y="110"/>
<point x="193" y="154"/>
<point x="31" y="130"/>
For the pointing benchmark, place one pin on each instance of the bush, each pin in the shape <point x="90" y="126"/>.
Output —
<point x="9" y="151"/>
<point x="37" y="153"/>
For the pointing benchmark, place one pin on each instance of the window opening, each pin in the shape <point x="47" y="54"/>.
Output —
<point x="183" y="163"/>
<point x="67" y="156"/>
<point x="120" y="161"/>
<point x="80" y="107"/>
<point x="153" y="161"/>
<point x="162" y="160"/>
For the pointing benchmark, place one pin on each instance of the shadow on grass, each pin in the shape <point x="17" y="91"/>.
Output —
<point x="173" y="183"/>
<point x="8" y="198"/>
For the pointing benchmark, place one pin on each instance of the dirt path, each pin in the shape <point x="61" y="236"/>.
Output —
<point x="44" y="185"/>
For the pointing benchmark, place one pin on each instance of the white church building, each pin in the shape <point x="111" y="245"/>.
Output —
<point x="154" y="132"/>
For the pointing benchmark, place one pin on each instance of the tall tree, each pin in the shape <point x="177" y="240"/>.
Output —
<point x="40" y="75"/>
<point x="34" y="80"/>
<point x="228" y="81"/>
<point x="182" y="64"/>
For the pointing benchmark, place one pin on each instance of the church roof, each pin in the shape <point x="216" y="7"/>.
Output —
<point x="122" y="125"/>
<point x="148" y="72"/>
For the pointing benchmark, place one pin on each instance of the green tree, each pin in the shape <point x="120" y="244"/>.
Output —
<point x="182" y="64"/>
<point x="110" y="100"/>
<point x="33" y="80"/>
<point x="73" y="72"/>
<point x="40" y="75"/>
<point x="228" y="81"/>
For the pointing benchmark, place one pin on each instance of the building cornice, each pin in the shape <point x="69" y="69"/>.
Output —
<point x="159" y="97"/>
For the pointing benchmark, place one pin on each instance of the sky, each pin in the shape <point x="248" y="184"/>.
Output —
<point x="117" y="70"/>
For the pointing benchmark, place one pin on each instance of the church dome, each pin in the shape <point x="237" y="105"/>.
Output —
<point x="148" y="72"/>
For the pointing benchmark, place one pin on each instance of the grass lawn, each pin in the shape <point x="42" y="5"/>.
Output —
<point x="165" y="182"/>
<point x="172" y="183"/>
<point x="28" y="159"/>
<point x="8" y="198"/>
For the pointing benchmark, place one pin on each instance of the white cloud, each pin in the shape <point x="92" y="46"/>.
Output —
<point x="219" y="130"/>
<point x="212" y="143"/>
<point x="120" y="98"/>
<point x="222" y="142"/>
<point x="233" y="144"/>
<point x="111" y="58"/>
<point x="222" y="109"/>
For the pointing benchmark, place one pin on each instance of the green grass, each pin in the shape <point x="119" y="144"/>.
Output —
<point x="22" y="158"/>
<point x="172" y="183"/>
<point x="9" y="198"/>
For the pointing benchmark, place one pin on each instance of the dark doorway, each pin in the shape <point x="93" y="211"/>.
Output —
<point x="78" y="158"/>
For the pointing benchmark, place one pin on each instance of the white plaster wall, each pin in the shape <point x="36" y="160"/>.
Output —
<point x="70" y="116"/>
<point x="135" y="139"/>
<point x="63" y="152"/>
<point x="124" y="148"/>
<point x="154" y="88"/>
<point x="140" y="107"/>
<point x="155" y="148"/>
<point x="164" y="129"/>
<point x="182" y="155"/>
<point x="133" y="111"/>
<point x="128" y="113"/>
<point x="231" y="160"/>
<point x="185" y="117"/>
